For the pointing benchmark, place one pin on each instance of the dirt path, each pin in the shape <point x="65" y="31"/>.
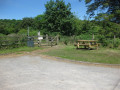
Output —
<point x="31" y="72"/>
<point x="35" y="52"/>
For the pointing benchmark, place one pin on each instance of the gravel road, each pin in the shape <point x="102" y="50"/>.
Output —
<point x="37" y="73"/>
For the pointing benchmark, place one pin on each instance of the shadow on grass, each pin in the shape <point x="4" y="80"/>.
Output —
<point x="86" y="49"/>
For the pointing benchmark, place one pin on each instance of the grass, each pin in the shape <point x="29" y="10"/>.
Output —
<point x="19" y="50"/>
<point x="103" y="55"/>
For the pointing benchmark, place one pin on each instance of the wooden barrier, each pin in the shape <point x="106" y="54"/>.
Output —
<point x="12" y="41"/>
<point x="46" y="41"/>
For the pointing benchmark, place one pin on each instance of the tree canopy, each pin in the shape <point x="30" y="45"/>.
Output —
<point x="112" y="8"/>
<point x="58" y="17"/>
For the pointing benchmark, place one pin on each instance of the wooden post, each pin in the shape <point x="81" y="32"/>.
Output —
<point x="77" y="45"/>
<point x="114" y="37"/>
<point x="51" y="41"/>
<point x="57" y="39"/>
<point x="39" y="43"/>
<point x="47" y="39"/>
<point x="93" y="37"/>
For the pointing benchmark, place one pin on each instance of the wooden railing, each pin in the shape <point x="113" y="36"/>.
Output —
<point x="16" y="41"/>
<point x="12" y="41"/>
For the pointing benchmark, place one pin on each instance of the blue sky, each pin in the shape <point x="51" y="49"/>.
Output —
<point x="18" y="9"/>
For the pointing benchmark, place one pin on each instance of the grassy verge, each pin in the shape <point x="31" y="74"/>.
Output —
<point x="103" y="55"/>
<point x="19" y="50"/>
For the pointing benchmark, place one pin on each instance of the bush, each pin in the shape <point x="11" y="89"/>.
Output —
<point x="101" y="39"/>
<point x="116" y="42"/>
<point x="31" y="32"/>
<point x="111" y="43"/>
<point x="64" y="39"/>
<point x="105" y="42"/>
<point x="85" y="37"/>
<point x="2" y="34"/>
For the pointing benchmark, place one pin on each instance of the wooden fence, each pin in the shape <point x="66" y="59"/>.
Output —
<point x="18" y="41"/>
<point x="12" y="41"/>
<point x="46" y="41"/>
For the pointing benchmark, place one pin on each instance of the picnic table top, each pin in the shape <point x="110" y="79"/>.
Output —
<point x="87" y="40"/>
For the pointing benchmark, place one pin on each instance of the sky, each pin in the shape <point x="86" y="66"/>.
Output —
<point x="18" y="9"/>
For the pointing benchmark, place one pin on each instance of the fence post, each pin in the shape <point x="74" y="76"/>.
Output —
<point x="114" y="39"/>
<point x="47" y="39"/>
<point x="57" y="39"/>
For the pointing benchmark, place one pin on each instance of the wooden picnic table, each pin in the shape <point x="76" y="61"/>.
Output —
<point x="87" y="44"/>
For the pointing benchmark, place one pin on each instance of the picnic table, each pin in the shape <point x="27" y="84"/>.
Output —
<point x="87" y="44"/>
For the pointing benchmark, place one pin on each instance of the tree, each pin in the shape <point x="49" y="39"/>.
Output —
<point x="39" y="21"/>
<point x="9" y="26"/>
<point x="58" y="17"/>
<point x="2" y="28"/>
<point x="27" y="22"/>
<point x="78" y="26"/>
<point x="112" y="7"/>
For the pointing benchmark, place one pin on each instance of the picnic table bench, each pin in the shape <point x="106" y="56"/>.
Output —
<point x="87" y="44"/>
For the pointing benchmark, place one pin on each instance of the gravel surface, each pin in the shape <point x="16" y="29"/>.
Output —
<point x="36" y="73"/>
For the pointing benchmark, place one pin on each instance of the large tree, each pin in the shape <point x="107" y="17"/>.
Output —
<point x="58" y="17"/>
<point x="112" y="8"/>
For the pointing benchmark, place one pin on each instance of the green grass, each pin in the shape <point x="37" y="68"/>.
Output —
<point x="103" y="55"/>
<point x="19" y="50"/>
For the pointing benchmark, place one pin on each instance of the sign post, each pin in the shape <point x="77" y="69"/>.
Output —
<point x="39" y="39"/>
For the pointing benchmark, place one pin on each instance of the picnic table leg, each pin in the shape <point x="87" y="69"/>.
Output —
<point x="77" y="45"/>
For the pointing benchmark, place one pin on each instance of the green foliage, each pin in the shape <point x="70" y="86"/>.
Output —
<point x="112" y="43"/>
<point x="109" y="42"/>
<point x="111" y="6"/>
<point x="31" y="32"/>
<point x="40" y="22"/>
<point x="9" y="26"/>
<point x="65" y="39"/>
<point x="27" y="22"/>
<point x="2" y="34"/>
<point x="78" y="26"/>
<point x="85" y="37"/>
<point x="58" y="17"/>
<point x="109" y="29"/>
<point x="23" y="32"/>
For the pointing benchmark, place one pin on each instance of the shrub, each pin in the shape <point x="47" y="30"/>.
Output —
<point x="116" y="42"/>
<point x="85" y="37"/>
<point x="111" y="43"/>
